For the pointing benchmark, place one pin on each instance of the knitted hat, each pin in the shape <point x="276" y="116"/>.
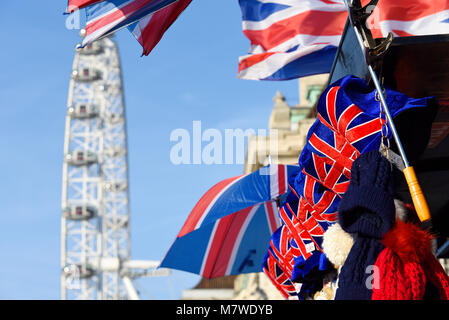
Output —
<point x="407" y="268"/>
<point x="367" y="207"/>
<point x="366" y="210"/>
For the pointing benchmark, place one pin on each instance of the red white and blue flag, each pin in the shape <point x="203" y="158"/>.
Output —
<point x="290" y="38"/>
<point x="348" y="124"/>
<point x="149" y="30"/>
<point x="297" y="38"/>
<point x="107" y="17"/>
<point x="409" y="18"/>
<point x="74" y="5"/>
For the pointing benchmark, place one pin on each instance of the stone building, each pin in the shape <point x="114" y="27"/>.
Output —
<point x="288" y="126"/>
<point x="215" y="289"/>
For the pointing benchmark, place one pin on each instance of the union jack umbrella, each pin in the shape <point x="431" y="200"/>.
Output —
<point x="229" y="229"/>
<point x="348" y="123"/>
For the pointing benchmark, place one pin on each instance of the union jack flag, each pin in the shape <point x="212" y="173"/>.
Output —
<point x="106" y="17"/>
<point x="348" y="124"/>
<point x="409" y="18"/>
<point x="290" y="38"/>
<point x="331" y="175"/>
<point x="301" y="230"/>
<point x="315" y="199"/>
<point x="296" y="38"/>
<point x="279" y="277"/>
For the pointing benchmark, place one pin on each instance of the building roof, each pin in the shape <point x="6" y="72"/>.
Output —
<point x="216" y="283"/>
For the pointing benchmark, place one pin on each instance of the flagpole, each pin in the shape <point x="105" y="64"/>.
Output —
<point x="416" y="193"/>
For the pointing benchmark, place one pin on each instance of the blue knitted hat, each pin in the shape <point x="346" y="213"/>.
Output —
<point x="366" y="210"/>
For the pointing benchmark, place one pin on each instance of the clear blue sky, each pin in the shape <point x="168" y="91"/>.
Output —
<point x="191" y="75"/>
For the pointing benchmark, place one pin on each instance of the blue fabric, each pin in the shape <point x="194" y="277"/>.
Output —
<point x="367" y="208"/>
<point x="317" y="62"/>
<point x="252" y="189"/>
<point x="189" y="253"/>
<point x="107" y="7"/>
<point x="353" y="282"/>
<point x="253" y="10"/>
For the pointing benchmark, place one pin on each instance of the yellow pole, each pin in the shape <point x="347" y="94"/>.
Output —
<point x="419" y="201"/>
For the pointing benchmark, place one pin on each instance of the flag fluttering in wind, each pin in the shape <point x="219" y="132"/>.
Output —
<point x="290" y="38"/>
<point x="79" y="4"/>
<point x="146" y="19"/>
<point x="150" y="29"/>
<point x="297" y="38"/>
<point x="109" y="16"/>
<point x="409" y="18"/>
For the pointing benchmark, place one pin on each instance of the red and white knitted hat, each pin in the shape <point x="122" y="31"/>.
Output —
<point x="407" y="268"/>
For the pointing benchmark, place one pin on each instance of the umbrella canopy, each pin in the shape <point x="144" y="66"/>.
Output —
<point x="229" y="229"/>
<point x="234" y="244"/>
<point x="238" y="193"/>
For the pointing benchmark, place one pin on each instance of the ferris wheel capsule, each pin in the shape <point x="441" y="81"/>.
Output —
<point x="81" y="157"/>
<point x="86" y="74"/>
<point x="115" y="186"/>
<point x="79" y="212"/>
<point x="83" y="111"/>
<point x="78" y="271"/>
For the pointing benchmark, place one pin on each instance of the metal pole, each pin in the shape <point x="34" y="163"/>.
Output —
<point x="132" y="293"/>
<point x="389" y="117"/>
<point x="380" y="92"/>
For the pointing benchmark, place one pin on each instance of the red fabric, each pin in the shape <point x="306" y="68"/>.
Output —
<point x="78" y="4"/>
<point x="159" y="23"/>
<point x="406" y="264"/>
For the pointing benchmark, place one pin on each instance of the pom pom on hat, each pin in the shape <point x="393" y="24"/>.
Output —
<point x="336" y="244"/>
